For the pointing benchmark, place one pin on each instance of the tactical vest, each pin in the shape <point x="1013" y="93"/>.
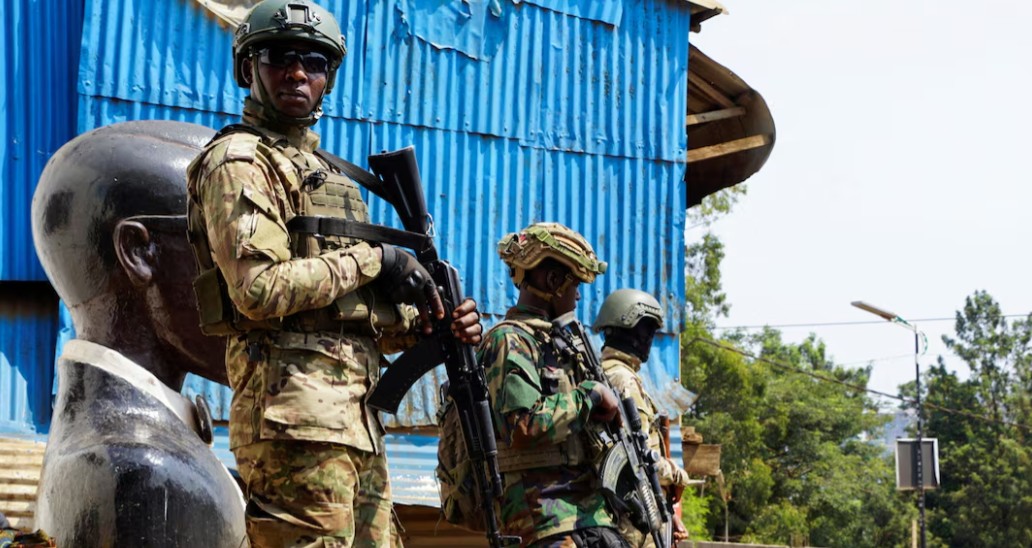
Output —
<point x="325" y="196"/>
<point x="562" y="378"/>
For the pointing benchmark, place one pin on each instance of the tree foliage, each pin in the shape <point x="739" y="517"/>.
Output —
<point x="716" y="205"/>
<point x="793" y="457"/>
<point x="796" y="468"/>
<point x="985" y="463"/>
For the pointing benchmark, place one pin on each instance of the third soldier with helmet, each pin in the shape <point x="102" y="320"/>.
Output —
<point x="628" y="320"/>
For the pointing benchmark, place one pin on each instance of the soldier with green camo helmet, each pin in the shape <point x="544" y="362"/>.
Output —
<point x="308" y="314"/>
<point x="629" y="320"/>
<point x="542" y="404"/>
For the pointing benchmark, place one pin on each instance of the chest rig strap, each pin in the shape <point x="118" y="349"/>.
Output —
<point x="331" y="226"/>
<point x="361" y="176"/>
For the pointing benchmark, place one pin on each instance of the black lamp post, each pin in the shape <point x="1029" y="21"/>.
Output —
<point x="894" y="318"/>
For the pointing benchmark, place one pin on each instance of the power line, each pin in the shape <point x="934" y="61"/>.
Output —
<point x="876" y="360"/>
<point x="836" y="324"/>
<point x="856" y="387"/>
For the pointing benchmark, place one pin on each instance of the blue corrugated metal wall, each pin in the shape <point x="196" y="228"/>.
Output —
<point x="516" y="127"/>
<point x="28" y="333"/>
<point x="39" y="53"/>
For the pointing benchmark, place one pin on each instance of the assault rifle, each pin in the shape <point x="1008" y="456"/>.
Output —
<point x="629" y="472"/>
<point x="401" y="185"/>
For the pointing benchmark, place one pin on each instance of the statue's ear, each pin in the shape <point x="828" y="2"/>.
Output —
<point x="246" y="68"/>
<point x="135" y="250"/>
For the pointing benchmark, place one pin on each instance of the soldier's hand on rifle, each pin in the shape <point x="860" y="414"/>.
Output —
<point x="607" y="406"/>
<point x="406" y="281"/>
<point x="466" y="322"/>
<point x="680" y="532"/>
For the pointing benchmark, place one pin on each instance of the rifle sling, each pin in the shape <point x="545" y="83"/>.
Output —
<point x="371" y="182"/>
<point x="329" y="226"/>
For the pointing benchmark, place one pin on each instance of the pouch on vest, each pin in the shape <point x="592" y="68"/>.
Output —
<point x="219" y="318"/>
<point x="460" y="498"/>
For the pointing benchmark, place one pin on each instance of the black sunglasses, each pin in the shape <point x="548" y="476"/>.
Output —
<point x="313" y="62"/>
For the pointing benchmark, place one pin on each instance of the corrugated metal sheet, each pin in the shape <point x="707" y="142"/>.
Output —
<point x="620" y="92"/>
<point x="28" y="331"/>
<point x="606" y="11"/>
<point x="39" y="52"/>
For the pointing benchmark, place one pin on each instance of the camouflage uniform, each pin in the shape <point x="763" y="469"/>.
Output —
<point x="539" y="402"/>
<point x="622" y="369"/>
<point x="309" y="450"/>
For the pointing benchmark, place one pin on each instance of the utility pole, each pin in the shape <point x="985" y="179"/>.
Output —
<point x="894" y="318"/>
<point x="920" y="433"/>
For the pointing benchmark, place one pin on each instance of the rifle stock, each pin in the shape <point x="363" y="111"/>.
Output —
<point x="467" y="385"/>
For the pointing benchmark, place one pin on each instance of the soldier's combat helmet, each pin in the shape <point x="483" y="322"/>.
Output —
<point x="624" y="308"/>
<point x="524" y="250"/>
<point x="279" y="21"/>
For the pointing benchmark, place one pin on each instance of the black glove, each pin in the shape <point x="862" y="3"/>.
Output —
<point x="404" y="280"/>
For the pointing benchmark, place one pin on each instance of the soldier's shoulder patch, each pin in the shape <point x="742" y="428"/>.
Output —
<point x="235" y="146"/>
<point x="242" y="146"/>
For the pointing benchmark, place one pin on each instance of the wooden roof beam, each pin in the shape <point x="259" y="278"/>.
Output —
<point x="730" y="147"/>
<point x="713" y="115"/>
<point x="709" y="91"/>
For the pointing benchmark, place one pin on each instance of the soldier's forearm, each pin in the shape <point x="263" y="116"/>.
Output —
<point x="266" y="289"/>
<point x="553" y="419"/>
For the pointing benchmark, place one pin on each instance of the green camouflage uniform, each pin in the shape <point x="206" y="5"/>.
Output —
<point x="309" y="450"/>
<point x="622" y="370"/>
<point x="529" y="415"/>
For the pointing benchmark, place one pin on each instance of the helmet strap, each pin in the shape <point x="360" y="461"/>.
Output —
<point x="546" y="296"/>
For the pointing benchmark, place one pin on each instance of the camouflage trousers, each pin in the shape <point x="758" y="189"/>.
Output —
<point x="316" y="495"/>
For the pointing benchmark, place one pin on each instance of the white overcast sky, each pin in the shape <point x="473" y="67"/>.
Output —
<point x="900" y="175"/>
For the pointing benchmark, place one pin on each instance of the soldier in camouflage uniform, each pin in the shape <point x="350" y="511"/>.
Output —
<point x="628" y="320"/>
<point x="308" y="314"/>
<point x="542" y="405"/>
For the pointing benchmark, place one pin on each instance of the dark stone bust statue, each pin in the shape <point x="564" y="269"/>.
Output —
<point x="127" y="462"/>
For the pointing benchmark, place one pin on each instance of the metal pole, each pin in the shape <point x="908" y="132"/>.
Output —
<point x="920" y="435"/>
<point x="885" y="314"/>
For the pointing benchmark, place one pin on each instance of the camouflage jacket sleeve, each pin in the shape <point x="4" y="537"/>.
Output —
<point x="523" y="414"/>
<point x="626" y="382"/>
<point x="670" y="473"/>
<point x="244" y="218"/>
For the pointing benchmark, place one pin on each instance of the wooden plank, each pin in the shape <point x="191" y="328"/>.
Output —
<point x="701" y="459"/>
<point x="713" y="115"/>
<point x="709" y="91"/>
<point x="730" y="147"/>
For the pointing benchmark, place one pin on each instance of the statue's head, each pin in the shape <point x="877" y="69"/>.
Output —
<point x="109" y="225"/>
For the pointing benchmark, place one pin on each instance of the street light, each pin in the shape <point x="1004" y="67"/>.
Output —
<point x="894" y="318"/>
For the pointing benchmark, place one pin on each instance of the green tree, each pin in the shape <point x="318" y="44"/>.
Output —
<point x="793" y="458"/>
<point x="985" y="463"/>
